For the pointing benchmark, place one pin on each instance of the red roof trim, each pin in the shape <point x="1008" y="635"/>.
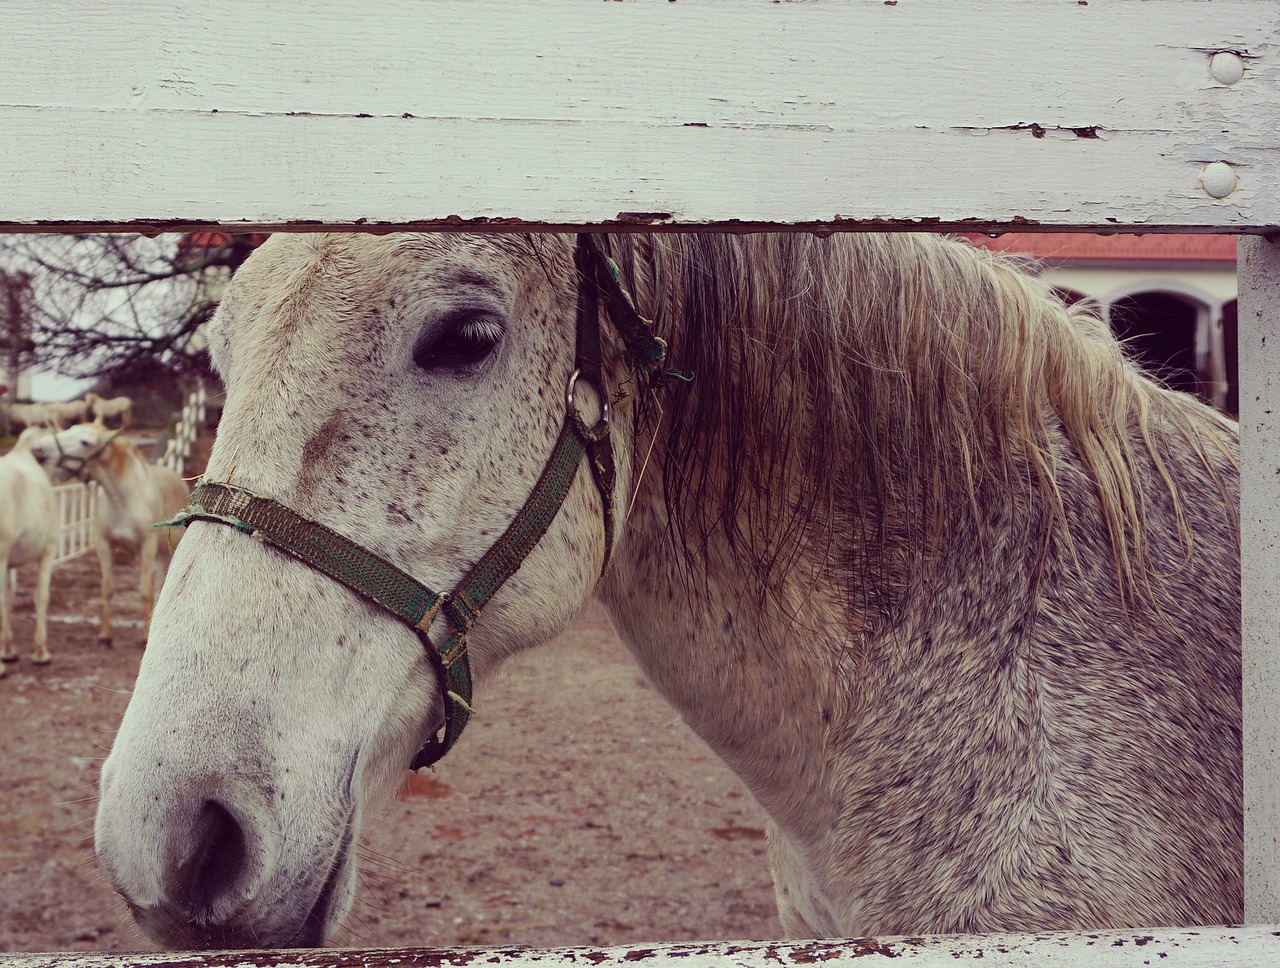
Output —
<point x="212" y="240"/>
<point x="1074" y="247"/>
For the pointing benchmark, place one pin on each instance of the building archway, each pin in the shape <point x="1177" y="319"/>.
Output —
<point x="1159" y="329"/>
<point x="1231" y="356"/>
<point x="1069" y="296"/>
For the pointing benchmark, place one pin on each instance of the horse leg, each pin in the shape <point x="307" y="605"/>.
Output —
<point x="7" y="654"/>
<point x="41" y="654"/>
<point x="104" y="563"/>
<point x="792" y="883"/>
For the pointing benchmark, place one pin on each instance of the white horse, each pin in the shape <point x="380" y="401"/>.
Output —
<point x="134" y="495"/>
<point x="69" y="412"/>
<point x="28" y="532"/>
<point x="109" y="410"/>
<point x="53" y="414"/>
<point x="933" y="567"/>
<point x="33" y="415"/>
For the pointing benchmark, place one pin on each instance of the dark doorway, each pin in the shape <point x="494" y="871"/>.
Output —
<point x="1231" y="356"/>
<point x="1159" y="330"/>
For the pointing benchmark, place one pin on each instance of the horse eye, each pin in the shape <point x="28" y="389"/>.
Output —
<point x="463" y="341"/>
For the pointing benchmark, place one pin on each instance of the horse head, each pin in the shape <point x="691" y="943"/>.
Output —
<point x="73" y="449"/>
<point x="405" y="393"/>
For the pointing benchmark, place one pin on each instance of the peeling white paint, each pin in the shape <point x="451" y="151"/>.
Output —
<point x="845" y="113"/>
<point x="572" y="111"/>
<point x="1168" y="948"/>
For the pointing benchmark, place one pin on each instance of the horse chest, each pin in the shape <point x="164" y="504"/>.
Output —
<point x="28" y="517"/>
<point x="127" y="512"/>
<point x="121" y="532"/>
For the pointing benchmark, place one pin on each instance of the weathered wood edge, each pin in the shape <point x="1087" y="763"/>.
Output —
<point x="162" y="118"/>
<point x="643" y="222"/>
<point x="1168" y="947"/>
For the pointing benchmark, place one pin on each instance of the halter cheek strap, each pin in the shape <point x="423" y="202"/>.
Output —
<point x="378" y="580"/>
<point x="75" y="466"/>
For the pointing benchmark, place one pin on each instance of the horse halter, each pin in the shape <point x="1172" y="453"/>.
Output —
<point x="74" y="465"/>
<point x="382" y="583"/>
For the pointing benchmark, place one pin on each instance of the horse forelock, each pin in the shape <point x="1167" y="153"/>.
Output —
<point x="863" y="398"/>
<point x="308" y="281"/>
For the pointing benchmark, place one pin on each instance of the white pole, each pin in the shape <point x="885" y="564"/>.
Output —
<point x="1259" y="281"/>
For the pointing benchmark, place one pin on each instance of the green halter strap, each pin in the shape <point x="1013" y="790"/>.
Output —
<point x="373" y="577"/>
<point x="76" y="466"/>
<point x="381" y="582"/>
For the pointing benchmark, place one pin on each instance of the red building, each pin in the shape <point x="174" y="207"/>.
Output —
<point x="1172" y="298"/>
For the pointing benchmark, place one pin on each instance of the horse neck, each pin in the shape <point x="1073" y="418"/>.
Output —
<point x="22" y="447"/>
<point x="758" y="682"/>
<point x="121" y="474"/>
<point x="22" y="459"/>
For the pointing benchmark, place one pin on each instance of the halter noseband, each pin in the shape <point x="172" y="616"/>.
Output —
<point x="379" y="581"/>
<point x="75" y="466"/>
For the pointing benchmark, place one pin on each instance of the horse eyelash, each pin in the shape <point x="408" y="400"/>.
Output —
<point x="480" y="328"/>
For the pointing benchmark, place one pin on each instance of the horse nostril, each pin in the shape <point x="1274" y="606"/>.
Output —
<point x="216" y="864"/>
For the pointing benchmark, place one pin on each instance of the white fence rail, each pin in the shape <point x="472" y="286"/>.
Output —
<point x="924" y="113"/>
<point x="77" y="506"/>
<point x="1252" y="947"/>
<point x="178" y="450"/>
<point x="1150" y="115"/>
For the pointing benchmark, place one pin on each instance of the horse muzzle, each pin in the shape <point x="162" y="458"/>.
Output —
<point x="229" y="804"/>
<point x="212" y="870"/>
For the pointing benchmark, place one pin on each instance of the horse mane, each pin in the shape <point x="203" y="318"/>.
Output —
<point x="115" y="459"/>
<point x="886" y="387"/>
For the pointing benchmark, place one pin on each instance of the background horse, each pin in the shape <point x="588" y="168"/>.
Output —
<point x="134" y="495"/>
<point x="110" y="411"/>
<point x="28" y="532"/>
<point x="950" y="585"/>
<point x="53" y="415"/>
<point x="33" y="415"/>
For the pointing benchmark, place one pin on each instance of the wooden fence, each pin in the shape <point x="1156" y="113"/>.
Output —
<point x="178" y="449"/>
<point x="1216" y="947"/>
<point x="77" y="505"/>
<point x="727" y="115"/>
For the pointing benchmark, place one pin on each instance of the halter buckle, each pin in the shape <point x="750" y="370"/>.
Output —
<point x="601" y="428"/>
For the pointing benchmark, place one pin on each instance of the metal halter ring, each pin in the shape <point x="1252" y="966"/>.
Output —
<point x="602" y="425"/>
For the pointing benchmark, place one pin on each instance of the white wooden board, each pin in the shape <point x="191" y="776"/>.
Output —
<point x="1167" y="947"/>
<point x="1071" y="114"/>
<point x="936" y="113"/>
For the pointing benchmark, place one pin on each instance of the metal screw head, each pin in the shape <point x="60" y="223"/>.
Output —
<point x="1218" y="179"/>
<point x="1226" y="67"/>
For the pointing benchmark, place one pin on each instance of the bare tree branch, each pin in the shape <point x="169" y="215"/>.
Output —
<point x="104" y="304"/>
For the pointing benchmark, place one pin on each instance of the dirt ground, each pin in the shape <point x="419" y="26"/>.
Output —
<point x="577" y="809"/>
